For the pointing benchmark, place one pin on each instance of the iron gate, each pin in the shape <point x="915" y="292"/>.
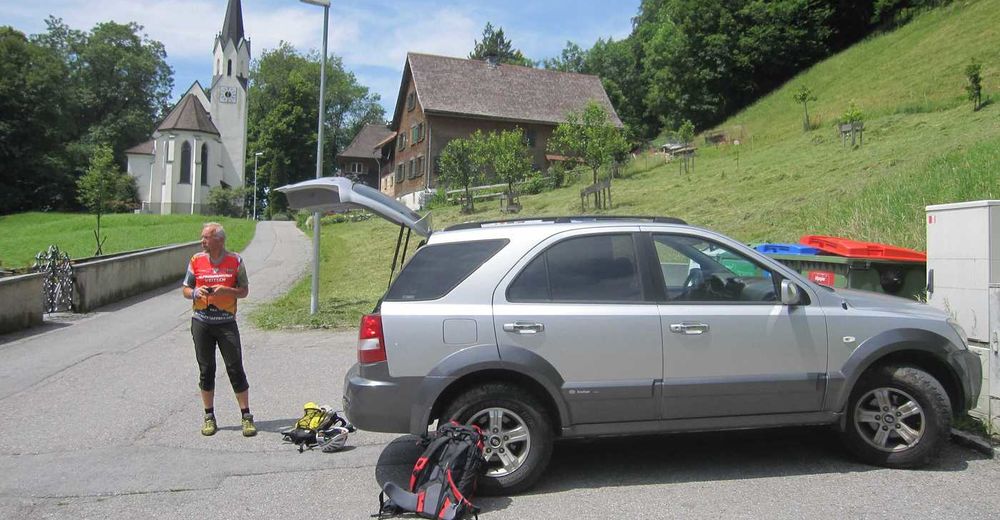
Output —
<point x="57" y="289"/>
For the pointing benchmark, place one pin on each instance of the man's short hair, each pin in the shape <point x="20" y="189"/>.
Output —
<point x="217" y="229"/>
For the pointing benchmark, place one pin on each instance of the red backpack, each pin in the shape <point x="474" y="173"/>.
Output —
<point x="444" y="478"/>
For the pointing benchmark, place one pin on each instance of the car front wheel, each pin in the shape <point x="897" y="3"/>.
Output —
<point x="518" y="435"/>
<point x="898" y="417"/>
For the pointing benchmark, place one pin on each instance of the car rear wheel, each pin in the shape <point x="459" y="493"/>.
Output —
<point x="518" y="435"/>
<point x="898" y="417"/>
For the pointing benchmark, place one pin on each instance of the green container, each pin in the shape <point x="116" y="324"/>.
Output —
<point x="905" y="279"/>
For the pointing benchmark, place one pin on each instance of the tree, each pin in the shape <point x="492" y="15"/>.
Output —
<point x="494" y="43"/>
<point x="507" y="153"/>
<point x="461" y="163"/>
<point x="105" y="188"/>
<point x="685" y="133"/>
<point x="589" y="137"/>
<point x="804" y="95"/>
<point x="973" y="72"/>
<point x="33" y="127"/>
<point x="118" y="84"/>
<point x="284" y="99"/>
<point x="572" y="59"/>
<point x="228" y="202"/>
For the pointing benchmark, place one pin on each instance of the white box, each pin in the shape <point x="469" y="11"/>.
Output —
<point x="963" y="261"/>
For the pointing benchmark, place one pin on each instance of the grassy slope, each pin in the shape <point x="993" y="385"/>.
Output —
<point x="26" y="234"/>
<point x="923" y="145"/>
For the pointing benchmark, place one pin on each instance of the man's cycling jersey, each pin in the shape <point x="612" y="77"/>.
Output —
<point x="228" y="272"/>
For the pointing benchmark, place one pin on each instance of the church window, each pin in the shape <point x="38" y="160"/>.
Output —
<point x="185" y="163"/>
<point x="204" y="164"/>
<point x="229" y="67"/>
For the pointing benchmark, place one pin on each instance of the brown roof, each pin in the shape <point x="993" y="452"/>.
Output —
<point x="474" y="88"/>
<point x="365" y="143"/>
<point x="142" y="149"/>
<point x="189" y="114"/>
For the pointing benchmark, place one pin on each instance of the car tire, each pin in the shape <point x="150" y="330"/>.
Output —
<point x="516" y="424"/>
<point x="897" y="417"/>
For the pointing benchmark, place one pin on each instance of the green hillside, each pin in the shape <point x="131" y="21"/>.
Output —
<point x="923" y="145"/>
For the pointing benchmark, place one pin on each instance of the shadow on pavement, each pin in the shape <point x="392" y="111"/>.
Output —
<point x="396" y="462"/>
<point x="702" y="457"/>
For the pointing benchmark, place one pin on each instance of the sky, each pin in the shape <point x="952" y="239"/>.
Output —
<point x="372" y="36"/>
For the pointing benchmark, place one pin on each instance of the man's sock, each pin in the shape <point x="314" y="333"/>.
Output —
<point x="245" y="411"/>
<point x="210" y="411"/>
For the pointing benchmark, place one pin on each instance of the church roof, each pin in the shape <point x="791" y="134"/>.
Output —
<point x="189" y="114"/>
<point x="142" y="149"/>
<point x="365" y="143"/>
<point x="232" y="27"/>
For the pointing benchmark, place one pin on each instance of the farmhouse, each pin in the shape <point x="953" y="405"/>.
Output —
<point x="442" y="98"/>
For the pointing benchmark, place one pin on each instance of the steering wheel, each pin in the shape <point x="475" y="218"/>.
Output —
<point x="695" y="280"/>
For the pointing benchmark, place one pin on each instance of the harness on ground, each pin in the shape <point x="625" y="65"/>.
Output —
<point x="444" y="477"/>
<point x="319" y="426"/>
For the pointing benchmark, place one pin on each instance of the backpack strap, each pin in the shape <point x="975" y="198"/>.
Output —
<point x="430" y="452"/>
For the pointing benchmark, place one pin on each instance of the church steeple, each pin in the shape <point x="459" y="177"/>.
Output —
<point x="232" y="27"/>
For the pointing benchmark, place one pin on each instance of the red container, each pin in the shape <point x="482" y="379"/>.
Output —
<point x="855" y="249"/>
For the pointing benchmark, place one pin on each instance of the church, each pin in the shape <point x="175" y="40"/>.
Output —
<point x="201" y="144"/>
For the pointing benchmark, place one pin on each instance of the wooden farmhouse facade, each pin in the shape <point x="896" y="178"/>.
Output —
<point x="362" y="158"/>
<point x="442" y="98"/>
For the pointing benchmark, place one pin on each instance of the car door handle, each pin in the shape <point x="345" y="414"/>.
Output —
<point x="523" y="327"/>
<point x="689" y="328"/>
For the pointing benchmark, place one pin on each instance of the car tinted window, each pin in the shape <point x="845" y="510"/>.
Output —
<point x="437" y="269"/>
<point x="600" y="268"/>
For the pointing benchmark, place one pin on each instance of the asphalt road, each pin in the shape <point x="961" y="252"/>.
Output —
<point x="100" y="418"/>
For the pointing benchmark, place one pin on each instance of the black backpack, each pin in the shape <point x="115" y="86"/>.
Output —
<point x="443" y="480"/>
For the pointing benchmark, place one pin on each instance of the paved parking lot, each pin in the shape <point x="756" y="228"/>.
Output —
<point x="99" y="418"/>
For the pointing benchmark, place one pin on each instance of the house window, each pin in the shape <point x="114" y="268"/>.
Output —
<point x="357" y="167"/>
<point x="530" y="138"/>
<point x="417" y="133"/>
<point x="204" y="164"/>
<point x="411" y="101"/>
<point x="413" y="171"/>
<point x="399" y="172"/>
<point x="401" y="141"/>
<point x="420" y="166"/>
<point x="185" y="163"/>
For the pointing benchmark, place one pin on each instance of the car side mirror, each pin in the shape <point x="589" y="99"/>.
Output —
<point x="790" y="294"/>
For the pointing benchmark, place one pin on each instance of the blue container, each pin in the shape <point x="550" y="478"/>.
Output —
<point x="786" y="249"/>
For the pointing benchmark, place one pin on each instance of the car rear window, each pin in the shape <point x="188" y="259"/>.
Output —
<point x="437" y="269"/>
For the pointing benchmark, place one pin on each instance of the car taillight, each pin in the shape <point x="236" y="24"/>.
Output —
<point x="371" y="343"/>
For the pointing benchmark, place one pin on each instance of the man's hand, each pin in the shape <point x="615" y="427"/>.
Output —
<point x="203" y="291"/>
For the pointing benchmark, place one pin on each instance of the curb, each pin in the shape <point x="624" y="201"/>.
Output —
<point x="976" y="443"/>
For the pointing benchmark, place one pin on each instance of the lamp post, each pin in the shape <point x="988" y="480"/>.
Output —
<point x="314" y="300"/>
<point x="255" y="156"/>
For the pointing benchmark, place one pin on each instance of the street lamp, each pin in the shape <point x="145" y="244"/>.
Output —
<point x="255" y="156"/>
<point x="314" y="301"/>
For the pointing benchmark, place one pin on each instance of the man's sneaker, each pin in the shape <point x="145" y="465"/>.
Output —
<point x="249" y="430"/>
<point x="209" y="427"/>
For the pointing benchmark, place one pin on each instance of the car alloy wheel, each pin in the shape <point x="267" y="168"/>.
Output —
<point x="508" y="442"/>
<point x="889" y="419"/>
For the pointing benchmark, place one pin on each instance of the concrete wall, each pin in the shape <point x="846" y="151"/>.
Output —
<point x="22" y="302"/>
<point x="104" y="281"/>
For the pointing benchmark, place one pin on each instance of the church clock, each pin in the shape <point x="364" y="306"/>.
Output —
<point x="227" y="95"/>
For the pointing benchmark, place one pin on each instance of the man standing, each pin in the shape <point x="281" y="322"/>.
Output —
<point x="215" y="279"/>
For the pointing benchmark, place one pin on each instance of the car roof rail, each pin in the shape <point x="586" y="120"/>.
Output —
<point x="567" y="220"/>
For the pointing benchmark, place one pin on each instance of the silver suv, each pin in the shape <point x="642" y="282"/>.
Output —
<point x="590" y="326"/>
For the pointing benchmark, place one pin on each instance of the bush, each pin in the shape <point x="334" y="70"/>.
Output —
<point x="227" y="202"/>
<point x="535" y="183"/>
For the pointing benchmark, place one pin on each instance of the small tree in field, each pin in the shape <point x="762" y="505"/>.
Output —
<point x="461" y="165"/>
<point x="804" y="95"/>
<point x="507" y="153"/>
<point x="685" y="133"/>
<point x="104" y="189"/>
<point x="975" y="87"/>
<point x="589" y="137"/>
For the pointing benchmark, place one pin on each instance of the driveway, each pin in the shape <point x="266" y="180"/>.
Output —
<point x="100" y="418"/>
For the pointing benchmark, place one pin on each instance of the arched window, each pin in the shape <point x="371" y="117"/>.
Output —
<point x="185" y="163"/>
<point x="229" y="67"/>
<point x="204" y="164"/>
